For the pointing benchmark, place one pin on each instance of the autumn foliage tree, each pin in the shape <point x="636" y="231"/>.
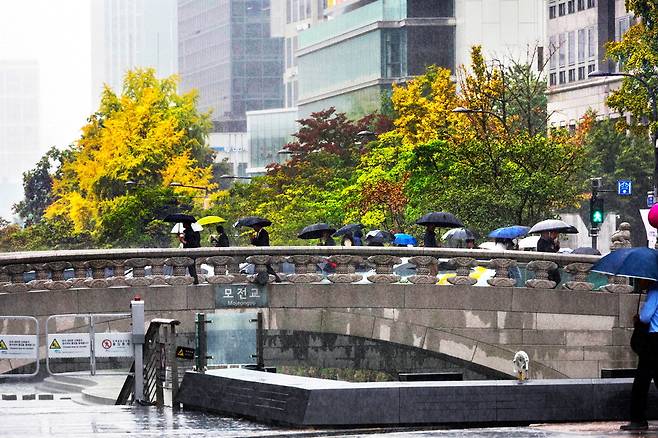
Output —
<point x="149" y="135"/>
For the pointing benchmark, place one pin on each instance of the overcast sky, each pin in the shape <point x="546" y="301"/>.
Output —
<point x="56" y="33"/>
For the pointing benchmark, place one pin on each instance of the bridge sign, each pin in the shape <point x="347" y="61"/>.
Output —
<point x="240" y="295"/>
<point x="624" y="187"/>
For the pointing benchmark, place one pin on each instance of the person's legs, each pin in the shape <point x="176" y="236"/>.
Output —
<point x="192" y="270"/>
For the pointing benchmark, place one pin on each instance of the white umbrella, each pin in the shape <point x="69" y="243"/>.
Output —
<point x="488" y="245"/>
<point x="178" y="228"/>
<point x="528" y="242"/>
<point x="553" y="225"/>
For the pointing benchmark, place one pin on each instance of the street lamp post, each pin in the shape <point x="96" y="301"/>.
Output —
<point x="206" y="199"/>
<point x="654" y="115"/>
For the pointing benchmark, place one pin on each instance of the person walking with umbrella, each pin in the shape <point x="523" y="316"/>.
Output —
<point x="642" y="264"/>
<point x="549" y="230"/>
<point x="220" y="239"/>
<point x="190" y="239"/>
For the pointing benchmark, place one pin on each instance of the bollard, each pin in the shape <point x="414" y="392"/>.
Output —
<point x="137" y="311"/>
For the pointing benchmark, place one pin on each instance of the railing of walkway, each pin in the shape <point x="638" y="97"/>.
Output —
<point x="57" y="270"/>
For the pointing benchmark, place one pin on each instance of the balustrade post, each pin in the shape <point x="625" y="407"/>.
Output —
<point x="260" y="263"/>
<point x="118" y="278"/>
<point x="79" y="275"/>
<point x="57" y="281"/>
<point x="234" y="270"/>
<point x="305" y="269"/>
<point x="384" y="269"/>
<point x="345" y="268"/>
<point x="463" y="267"/>
<point x="618" y="285"/>
<point x="180" y="277"/>
<point x="424" y="267"/>
<point x="541" y="268"/>
<point x="502" y="277"/>
<point x="158" y="277"/>
<point x="4" y="277"/>
<point x="17" y="280"/>
<point x="579" y="272"/>
<point x="41" y="276"/>
<point x="220" y="266"/>
<point x="98" y="278"/>
<point x="138" y="277"/>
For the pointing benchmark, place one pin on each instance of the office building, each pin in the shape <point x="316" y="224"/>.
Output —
<point x="577" y="33"/>
<point x="131" y="33"/>
<point x="226" y="52"/>
<point x="232" y="147"/>
<point x="19" y="129"/>
<point x="268" y="132"/>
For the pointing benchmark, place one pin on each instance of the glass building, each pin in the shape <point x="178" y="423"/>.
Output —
<point x="349" y="60"/>
<point x="269" y="131"/>
<point x="226" y="52"/>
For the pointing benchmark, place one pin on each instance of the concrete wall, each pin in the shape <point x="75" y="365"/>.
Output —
<point x="566" y="333"/>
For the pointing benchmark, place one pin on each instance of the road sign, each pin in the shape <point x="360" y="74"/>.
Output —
<point x="624" y="187"/>
<point x="650" y="201"/>
<point x="184" y="353"/>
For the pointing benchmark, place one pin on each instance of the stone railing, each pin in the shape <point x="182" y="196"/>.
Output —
<point x="53" y="270"/>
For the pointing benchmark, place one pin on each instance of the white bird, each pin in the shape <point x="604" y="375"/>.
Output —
<point x="521" y="363"/>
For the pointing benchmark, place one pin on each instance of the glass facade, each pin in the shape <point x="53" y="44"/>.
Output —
<point x="269" y="131"/>
<point x="369" y="48"/>
<point x="227" y="54"/>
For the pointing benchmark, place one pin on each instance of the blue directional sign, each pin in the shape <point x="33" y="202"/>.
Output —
<point x="650" y="201"/>
<point x="624" y="187"/>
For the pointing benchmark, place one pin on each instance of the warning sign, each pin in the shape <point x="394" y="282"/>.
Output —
<point x="69" y="345"/>
<point x="184" y="353"/>
<point x="18" y="347"/>
<point x="113" y="344"/>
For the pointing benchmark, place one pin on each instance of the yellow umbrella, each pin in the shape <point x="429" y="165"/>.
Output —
<point x="211" y="220"/>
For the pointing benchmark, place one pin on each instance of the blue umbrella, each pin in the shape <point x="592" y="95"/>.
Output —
<point x="404" y="239"/>
<point x="630" y="262"/>
<point x="511" y="232"/>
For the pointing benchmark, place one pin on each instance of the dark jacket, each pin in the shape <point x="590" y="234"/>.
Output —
<point x="329" y="242"/>
<point x="262" y="238"/>
<point x="547" y="245"/>
<point x="220" y="240"/>
<point x="192" y="238"/>
<point x="429" y="239"/>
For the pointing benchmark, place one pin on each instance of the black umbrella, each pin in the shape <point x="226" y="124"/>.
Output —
<point x="379" y="236"/>
<point x="586" y="250"/>
<point x="315" y="231"/>
<point x="179" y="217"/>
<point x="349" y="228"/>
<point x="553" y="225"/>
<point x="252" y="221"/>
<point x="440" y="219"/>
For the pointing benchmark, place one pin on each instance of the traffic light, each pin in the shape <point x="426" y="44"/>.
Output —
<point x="596" y="211"/>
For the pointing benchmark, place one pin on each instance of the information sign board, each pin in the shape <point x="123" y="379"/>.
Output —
<point x="113" y="345"/>
<point x="18" y="347"/>
<point x="69" y="345"/>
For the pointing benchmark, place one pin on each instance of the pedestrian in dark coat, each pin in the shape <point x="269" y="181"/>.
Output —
<point x="220" y="239"/>
<point x="191" y="239"/>
<point x="262" y="238"/>
<point x="429" y="239"/>
<point x="326" y="239"/>
<point x="549" y="242"/>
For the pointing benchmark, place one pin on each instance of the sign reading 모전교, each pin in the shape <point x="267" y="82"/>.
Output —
<point x="240" y="295"/>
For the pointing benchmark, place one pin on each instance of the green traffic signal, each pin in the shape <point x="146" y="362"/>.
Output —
<point x="596" y="215"/>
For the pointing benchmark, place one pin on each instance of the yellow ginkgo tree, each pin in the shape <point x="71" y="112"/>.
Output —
<point x="116" y="183"/>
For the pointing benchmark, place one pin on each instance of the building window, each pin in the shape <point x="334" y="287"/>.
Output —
<point x="591" y="3"/>
<point x="562" y="77"/>
<point x="562" y="50"/>
<point x="571" y="6"/>
<point x="581" y="73"/>
<point x="591" y="46"/>
<point x="621" y="27"/>
<point x="581" y="5"/>
<point x="552" y="79"/>
<point x="582" y="42"/>
<point x="561" y="8"/>
<point x="572" y="47"/>
<point x="572" y="75"/>
<point x="551" y="12"/>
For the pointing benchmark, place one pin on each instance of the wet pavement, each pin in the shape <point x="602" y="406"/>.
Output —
<point x="64" y="417"/>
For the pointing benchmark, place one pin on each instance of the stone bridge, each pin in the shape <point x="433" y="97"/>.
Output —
<point x="384" y="321"/>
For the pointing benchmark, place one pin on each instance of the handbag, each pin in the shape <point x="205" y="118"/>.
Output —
<point x="640" y="337"/>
